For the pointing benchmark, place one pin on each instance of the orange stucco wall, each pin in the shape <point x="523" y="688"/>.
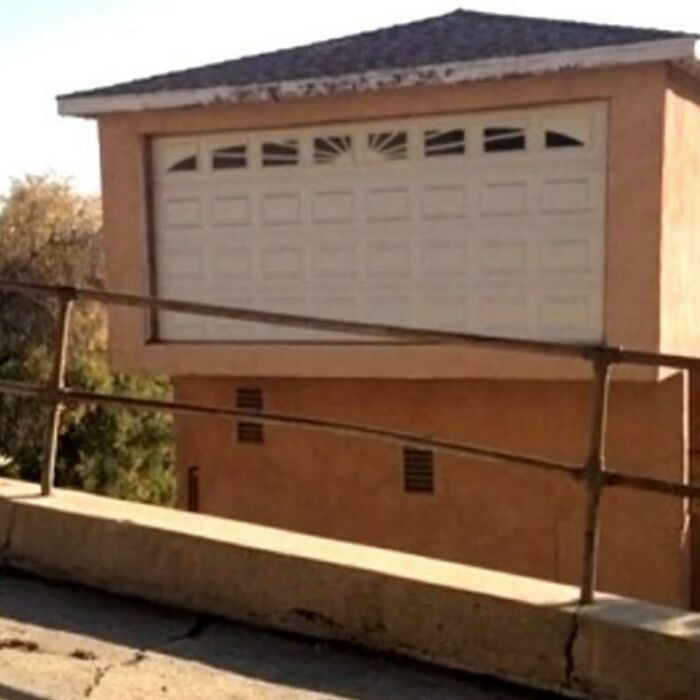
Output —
<point x="487" y="514"/>
<point x="636" y="103"/>
<point x="680" y="297"/>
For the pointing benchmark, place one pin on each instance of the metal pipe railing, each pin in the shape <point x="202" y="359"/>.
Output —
<point x="594" y="472"/>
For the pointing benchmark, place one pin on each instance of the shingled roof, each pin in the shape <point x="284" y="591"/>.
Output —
<point x="460" y="36"/>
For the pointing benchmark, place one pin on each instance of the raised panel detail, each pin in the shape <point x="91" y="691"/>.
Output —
<point x="182" y="213"/>
<point x="444" y="311"/>
<point x="334" y="206"/>
<point x="444" y="202"/>
<point x="389" y="308"/>
<point x="281" y="208"/>
<point x="504" y="257"/>
<point x="388" y="204"/>
<point x="230" y="211"/>
<point x="389" y="259"/>
<point x="566" y="195"/>
<point x="504" y="313"/>
<point x="566" y="256"/>
<point x="504" y="198"/>
<point x="232" y="263"/>
<point x="564" y="313"/>
<point x="183" y="265"/>
<point x="282" y="262"/>
<point x="439" y="257"/>
<point x="336" y="260"/>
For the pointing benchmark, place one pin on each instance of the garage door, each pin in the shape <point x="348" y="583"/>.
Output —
<point x="484" y="222"/>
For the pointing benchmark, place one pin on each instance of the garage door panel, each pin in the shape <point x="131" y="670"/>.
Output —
<point x="388" y="203"/>
<point x="486" y="223"/>
<point x="232" y="264"/>
<point x="504" y="314"/>
<point x="505" y="196"/>
<point x="566" y="256"/>
<point x="561" y="315"/>
<point x="444" y="201"/>
<point x="336" y="258"/>
<point x="443" y="257"/>
<point x="334" y="206"/>
<point x="501" y="255"/>
<point x="231" y="210"/>
<point x="278" y="208"/>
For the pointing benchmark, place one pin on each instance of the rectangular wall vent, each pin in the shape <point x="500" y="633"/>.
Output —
<point x="250" y="432"/>
<point x="418" y="473"/>
<point x="250" y="399"/>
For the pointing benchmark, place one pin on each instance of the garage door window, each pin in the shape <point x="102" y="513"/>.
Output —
<point x="280" y="153"/>
<point x="499" y="138"/>
<point x="444" y="142"/>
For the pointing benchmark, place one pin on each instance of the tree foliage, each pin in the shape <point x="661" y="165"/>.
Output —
<point x="50" y="234"/>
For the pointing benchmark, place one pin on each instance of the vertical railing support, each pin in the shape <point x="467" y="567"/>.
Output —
<point x="594" y="472"/>
<point x="56" y="383"/>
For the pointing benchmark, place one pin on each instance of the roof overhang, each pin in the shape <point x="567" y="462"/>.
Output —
<point x="685" y="51"/>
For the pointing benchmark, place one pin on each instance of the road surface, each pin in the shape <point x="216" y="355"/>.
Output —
<point x="62" y="642"/>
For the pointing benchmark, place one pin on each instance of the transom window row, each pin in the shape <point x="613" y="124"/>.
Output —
<point x="381" y="146"/>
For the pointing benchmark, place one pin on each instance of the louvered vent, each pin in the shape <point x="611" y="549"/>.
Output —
<point x="418" y="474"/>
<point x="248" y="399"/>
<point x="250" y="432"/>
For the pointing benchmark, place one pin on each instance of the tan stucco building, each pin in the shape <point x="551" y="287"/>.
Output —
<point x="507" y="176"/>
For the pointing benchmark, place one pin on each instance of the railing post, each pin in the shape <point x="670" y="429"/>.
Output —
<point x="56" y="383"/>
<point x="594" y="472"/>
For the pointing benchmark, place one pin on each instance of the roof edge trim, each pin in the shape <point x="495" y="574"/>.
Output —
<point x="681" y="49"/>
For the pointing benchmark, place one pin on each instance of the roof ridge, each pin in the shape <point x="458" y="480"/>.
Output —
<point x="458" y="36"/>
<point x="572" y="22"/>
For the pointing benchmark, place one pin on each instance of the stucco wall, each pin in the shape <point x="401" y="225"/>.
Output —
<point x="680" y="290"/>
<point x="490" y="515"/>
<point x="636" y="101"/>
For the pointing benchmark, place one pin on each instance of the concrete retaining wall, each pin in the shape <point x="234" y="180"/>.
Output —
<point x="453" y="615"/>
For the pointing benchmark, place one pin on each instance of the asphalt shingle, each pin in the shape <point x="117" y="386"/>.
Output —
<point x="458" y="36"/>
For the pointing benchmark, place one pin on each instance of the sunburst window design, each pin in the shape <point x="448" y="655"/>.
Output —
<point x="280" y="153"/>
<point x="184" y="165"/>
<point x="558" y="139"/>
<point x="389" y="145"/>
<point x="229" y="158"/>
<point x="332" y="149"/>
<point x="504" y="138"/>
<point x="444" y="142"/>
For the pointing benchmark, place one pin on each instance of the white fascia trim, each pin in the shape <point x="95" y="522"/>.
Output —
<point x="684" y="49"/>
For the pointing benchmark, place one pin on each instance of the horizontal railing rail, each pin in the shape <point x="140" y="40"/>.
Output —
<point x="594" y="472"/>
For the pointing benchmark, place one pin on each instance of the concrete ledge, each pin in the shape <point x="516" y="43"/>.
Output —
<point x="457" y="616"/>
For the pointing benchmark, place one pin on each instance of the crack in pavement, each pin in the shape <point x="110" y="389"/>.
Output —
<point x="196" y="630"/>
<point x="102" y="671"/>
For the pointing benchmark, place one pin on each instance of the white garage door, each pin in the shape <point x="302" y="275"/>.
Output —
<point x="484" y="222"/>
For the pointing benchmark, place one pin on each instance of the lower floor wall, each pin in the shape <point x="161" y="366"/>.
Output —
<point x="486" y="514"/>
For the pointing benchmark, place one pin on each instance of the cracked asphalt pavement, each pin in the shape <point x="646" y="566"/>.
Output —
<point x="64" y="642"/>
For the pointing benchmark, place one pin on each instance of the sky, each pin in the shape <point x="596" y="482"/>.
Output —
<point x="49" y="47"/>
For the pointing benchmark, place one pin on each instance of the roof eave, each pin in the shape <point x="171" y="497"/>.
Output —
<point x="685" y="50"/>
